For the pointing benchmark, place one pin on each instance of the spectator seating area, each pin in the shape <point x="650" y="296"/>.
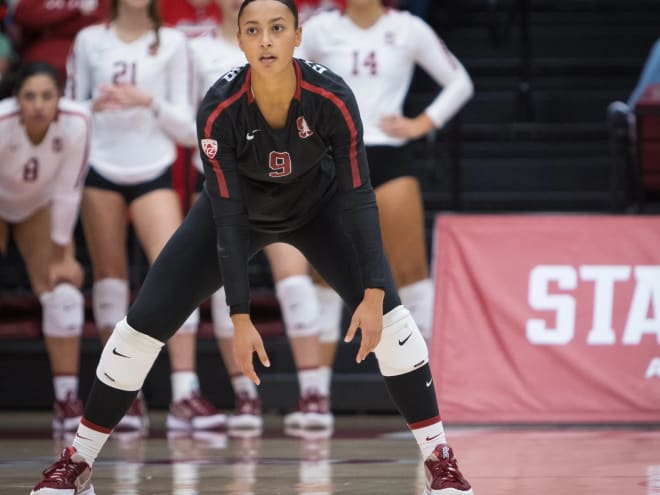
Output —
<point x="534" y="138"/>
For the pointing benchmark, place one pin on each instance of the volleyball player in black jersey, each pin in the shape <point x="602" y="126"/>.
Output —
<point x="281" y="142"/>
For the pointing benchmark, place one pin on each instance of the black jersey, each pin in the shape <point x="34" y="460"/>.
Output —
<point x="276" y="180"/>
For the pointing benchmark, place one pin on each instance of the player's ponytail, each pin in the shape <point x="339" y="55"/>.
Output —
<point x="156" y="18"/>
<point x="289" y="3"/>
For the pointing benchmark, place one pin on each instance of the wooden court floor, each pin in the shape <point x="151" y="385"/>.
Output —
<point x="366" y="455"/>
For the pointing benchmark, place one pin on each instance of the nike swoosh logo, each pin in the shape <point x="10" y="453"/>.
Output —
<point x="428" y="384"/>
<point x="250" y="135"/>
<point x="80" y="436"/>
<point x="109" y="377"/>
<point x="401" y="342"/>
<point x="116" y="353"/>
<point x="428" y="439"/>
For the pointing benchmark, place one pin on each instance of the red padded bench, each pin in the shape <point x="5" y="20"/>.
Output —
<point x="21" y="317"/>
<point x="647" y="115"/>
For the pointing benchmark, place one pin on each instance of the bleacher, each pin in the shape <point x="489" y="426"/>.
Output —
<point x="534" y="138"/>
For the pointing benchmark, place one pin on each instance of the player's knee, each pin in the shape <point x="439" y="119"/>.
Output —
<point x="223" y="327"/>
<point x="330" y="306"/>
<point x="299" y="306"/>
<point x="191" y="324"/>
<point x="110" y="301"/>
<point x="402" y="348"/>
<point x="62" y="311"/>
<point x="127" y="358"/>
<point x="418" y="298"/>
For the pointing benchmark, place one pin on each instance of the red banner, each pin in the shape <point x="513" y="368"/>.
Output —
<point x="547" y="318"/>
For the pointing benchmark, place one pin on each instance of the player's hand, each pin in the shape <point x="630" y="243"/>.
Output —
<point x="127" y="96"/>
<point x="368" y="317"/>
<point x="65" y="269"/>
<point x="246" y="342"/>
<point x="402" y="127"/>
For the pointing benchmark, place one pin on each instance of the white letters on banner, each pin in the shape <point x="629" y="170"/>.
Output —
<point x="643" y="314"/>
<point x="654" y="369"/>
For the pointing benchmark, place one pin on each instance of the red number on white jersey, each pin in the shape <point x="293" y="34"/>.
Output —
<point x="125" y="73"/>
<point x="31" y="170"/>
<point x="369" y="62"/>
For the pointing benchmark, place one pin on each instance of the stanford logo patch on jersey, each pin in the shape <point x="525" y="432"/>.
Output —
<point x="210" y="147"/>
<point x="303" y="129"/>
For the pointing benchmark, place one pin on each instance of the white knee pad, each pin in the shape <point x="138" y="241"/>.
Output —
<point x="62" y="311"/>
<point x="299" y="306"/>
<point x="110" y="301"/>
<point x="223" y="327"/>
<point x="330" y="306"/>
<point x="402" y="348"/>
<point x="127" y="358"/>
<point x="418" y="298"/>
<point x="191" y="324"/>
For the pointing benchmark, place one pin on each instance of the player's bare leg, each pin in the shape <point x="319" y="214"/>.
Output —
<point x="62" y="314"/>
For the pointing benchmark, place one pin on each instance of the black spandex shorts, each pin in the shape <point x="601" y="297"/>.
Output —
<point x="387" y="163"/>
<point x="130" y="192"/>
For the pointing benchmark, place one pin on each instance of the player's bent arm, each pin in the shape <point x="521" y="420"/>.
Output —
<point x="71" y="175"/>
<point x="434" y="57"/>
<point x="175" y="113"/>
<point x="78" y="69"/>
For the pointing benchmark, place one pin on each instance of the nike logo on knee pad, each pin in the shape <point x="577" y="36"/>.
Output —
<point x="401" y="342"/>
<point x="109" y="377"/>
<point x="116" y="353"/>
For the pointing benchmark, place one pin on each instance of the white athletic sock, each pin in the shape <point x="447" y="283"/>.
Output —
<point x="184" y="384"/>
<point x="65" y="385"/>
<point x="243" y="385"/>
<point x="325" y="372"/>
<point x="428" y="437"/>
<point x="89" y="442"/>
<point x="311" y="380"/>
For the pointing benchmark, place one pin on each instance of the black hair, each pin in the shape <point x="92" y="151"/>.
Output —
<point x="289" y="3"/>
<point x="13" y="82"/>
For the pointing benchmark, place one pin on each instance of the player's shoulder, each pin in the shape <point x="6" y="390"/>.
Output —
<point x="94" y="31"/>
<point x="76" y="119"/>
<point x="203" y="42"/>
<point x="8" y="108"/>
<point x="171" y="35"/>
<point x="320" y="79"/>
<point x="403" y="21"/>
<point x="323" y="20"/>
<point x="226" y="91"/>
<point x="76" y="111"/>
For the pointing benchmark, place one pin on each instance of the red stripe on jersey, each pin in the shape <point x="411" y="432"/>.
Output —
<point x="248" y="85"/>
<point x="70" y="84"/>
<point x="355" y="170"/>
<point x="424" y="423"/>
<point x="220" y="176"/>
<point x="95" y="427"/>
<point x="296" y="66"/>
<point x="9" y="115"/>
<point x="85" y="163"/>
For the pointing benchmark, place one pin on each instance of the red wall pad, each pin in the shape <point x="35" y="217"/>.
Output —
<point x="547" y="318"/>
